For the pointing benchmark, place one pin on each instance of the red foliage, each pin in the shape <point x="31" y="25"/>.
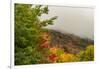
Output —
<point x="52" y="57"/>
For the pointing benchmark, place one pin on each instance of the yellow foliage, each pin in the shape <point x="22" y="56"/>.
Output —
<point x="87" y="55"/>
<point x="66" y="57"/>
<point x="90" y="45"/>
<point x="90" y="48"/>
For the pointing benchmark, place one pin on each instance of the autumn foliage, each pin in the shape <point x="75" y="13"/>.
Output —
<point x="36" y="45"/>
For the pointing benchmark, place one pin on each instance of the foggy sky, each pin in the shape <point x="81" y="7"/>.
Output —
<point x="78" y="21"/>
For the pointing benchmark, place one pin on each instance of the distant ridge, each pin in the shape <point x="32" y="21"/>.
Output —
<point x="69" y="42"/>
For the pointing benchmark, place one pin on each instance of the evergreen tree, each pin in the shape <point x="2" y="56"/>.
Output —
<point x="28" y="28"/>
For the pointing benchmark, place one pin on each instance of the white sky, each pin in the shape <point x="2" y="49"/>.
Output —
<point x="78" y="21"/>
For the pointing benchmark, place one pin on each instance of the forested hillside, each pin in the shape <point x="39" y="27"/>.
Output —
<point x="70" y="42"/>
<point x="35" y="44"/>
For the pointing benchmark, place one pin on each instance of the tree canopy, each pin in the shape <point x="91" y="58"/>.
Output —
<point x="28" y="27"/>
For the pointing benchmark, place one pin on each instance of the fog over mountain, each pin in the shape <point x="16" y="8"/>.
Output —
<point x="78" y="21"/>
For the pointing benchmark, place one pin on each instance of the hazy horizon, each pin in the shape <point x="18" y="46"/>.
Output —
<point x="78" y="21"/>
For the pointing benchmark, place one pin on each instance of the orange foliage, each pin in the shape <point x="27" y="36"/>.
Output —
<point x="53" y="50"/>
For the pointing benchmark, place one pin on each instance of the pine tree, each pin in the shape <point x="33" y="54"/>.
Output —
<point x="28" y="27"/>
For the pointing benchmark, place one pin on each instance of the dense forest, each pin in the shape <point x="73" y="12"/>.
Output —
<point x="35" y="44"/>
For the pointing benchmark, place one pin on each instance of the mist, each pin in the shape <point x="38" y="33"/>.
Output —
<point x="74" y="20"/>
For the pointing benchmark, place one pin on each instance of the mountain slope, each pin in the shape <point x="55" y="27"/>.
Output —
<point x="69" y="42"/>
